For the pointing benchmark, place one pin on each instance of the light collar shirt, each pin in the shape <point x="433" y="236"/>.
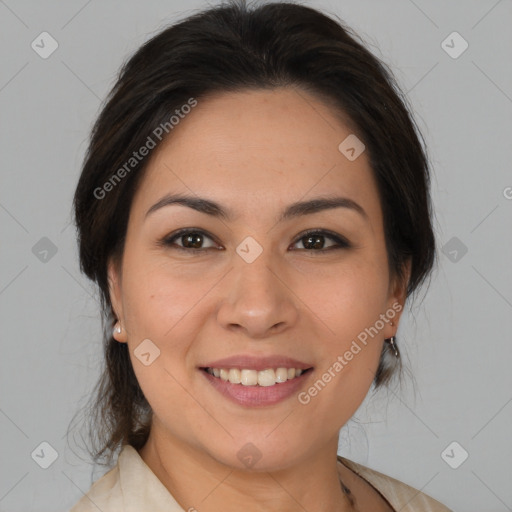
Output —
<point x="131" y="486"/>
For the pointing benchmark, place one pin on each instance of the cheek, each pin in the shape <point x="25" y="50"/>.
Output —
<point x="346" y="298"/>
<point x="349" y="305"/>
<point x="162" y="307"/>
<point x="161" y="315"/>
<point x="158" y="298"/>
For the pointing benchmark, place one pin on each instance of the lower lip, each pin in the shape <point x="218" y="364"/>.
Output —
<point x="257" y="396"/>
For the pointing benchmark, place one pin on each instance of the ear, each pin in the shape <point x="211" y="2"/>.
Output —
<point x="396" y="298"/>
<point x="115" y="293"/>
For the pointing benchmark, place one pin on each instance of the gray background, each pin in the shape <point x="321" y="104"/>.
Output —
<point x="457" y="339"/>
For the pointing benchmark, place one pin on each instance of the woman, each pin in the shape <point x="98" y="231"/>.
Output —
<point x="254" y="207"/>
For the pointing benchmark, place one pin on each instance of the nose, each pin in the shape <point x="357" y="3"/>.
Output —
<point x="258" y="302"/>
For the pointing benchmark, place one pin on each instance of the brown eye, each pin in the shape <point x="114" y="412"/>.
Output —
<point x="189" y="240"/>
<point x="192" y="240"/>
<point x="315" y="241"/>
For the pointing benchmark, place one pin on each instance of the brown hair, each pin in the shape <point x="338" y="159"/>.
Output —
<point x="233" y="48"/>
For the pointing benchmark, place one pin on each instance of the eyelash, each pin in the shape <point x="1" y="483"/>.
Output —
<point x="341" y="242"/>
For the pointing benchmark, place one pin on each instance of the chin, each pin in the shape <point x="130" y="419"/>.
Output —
<point x="256" y="453"/>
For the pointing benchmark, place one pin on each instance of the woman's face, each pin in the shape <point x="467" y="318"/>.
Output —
<point x="252" y="289"/>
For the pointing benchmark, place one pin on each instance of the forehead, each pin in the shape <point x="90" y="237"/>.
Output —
<point x="261" y="148"/>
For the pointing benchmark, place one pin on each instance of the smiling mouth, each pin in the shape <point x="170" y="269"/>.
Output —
<point x="264" y="378"/>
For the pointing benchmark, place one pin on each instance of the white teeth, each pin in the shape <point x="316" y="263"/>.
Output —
<point x="235" y="376"/>
<point x="282" y="374"/>
<point x="249" y="377"/>
<point x="268" y="377"/>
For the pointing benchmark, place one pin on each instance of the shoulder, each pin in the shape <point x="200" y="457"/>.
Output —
<point x="130" y="486"/>
<point x="103" y="494"/>
<point x="400" y="496"/>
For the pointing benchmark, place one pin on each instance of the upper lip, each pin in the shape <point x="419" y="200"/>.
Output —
<point x="256" y="362"/>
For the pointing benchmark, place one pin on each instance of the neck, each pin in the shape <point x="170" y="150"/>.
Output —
<point x="200" y="482"/>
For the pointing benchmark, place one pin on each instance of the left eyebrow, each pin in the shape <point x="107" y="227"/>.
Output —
<point x="294" y="210"/>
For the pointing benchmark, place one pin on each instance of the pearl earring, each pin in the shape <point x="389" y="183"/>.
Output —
<point x="117" y="328"/>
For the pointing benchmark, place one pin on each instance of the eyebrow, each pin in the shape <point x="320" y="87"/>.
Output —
<point x="294" y="210"/>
